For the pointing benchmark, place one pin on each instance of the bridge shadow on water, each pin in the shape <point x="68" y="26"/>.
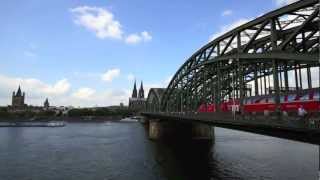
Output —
<point x="233" y="155"/>
<point x="181" y="158"/>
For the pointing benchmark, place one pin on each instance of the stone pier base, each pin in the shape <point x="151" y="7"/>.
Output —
<point x="155" y="129"/>
<point x="173" y="130"/>
<point x="202" y="131"/>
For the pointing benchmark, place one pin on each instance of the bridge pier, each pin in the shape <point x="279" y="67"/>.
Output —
<point x="155" y="129"/>
<point x="161" y="129"/>
<point x="202" y="131"/>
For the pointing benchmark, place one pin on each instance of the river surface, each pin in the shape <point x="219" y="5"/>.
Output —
<point x="122" y="151"/>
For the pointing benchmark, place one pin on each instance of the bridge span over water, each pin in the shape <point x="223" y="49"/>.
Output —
<point x="262" y="77"/>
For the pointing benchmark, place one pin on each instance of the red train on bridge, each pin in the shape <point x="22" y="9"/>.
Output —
<point x="309" y="101"/>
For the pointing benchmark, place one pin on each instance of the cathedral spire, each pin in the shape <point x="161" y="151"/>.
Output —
<point x="19" y="92"/>
<point x="134" y="92"/>
<point x="46" y="103"/>
<point x="141" y="91"/>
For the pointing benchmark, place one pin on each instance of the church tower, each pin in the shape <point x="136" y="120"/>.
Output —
<point x="141" y="91"/>
<point x="18" y="99"/>
<point x="137" y="101"/>
<point x="134" y="92"/>
<point x="46" y="104"/>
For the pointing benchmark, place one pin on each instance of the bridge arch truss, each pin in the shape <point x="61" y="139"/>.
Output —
<point x="261" y="57"/>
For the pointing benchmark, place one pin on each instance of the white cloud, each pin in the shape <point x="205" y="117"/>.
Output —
<point x="114" y="96"/>
<point x="227" y="12"/>
<point x="87" y="97"/>
<point x="137" y="38"/>
<point x="133" y="39"/>
<point x="110" y="74"/>
<point x="284" y="2"/>
<point x="60" y="87"/>
<point x="98" y="20"/>
<point x="84" y="93"/>
<point x="146" y="36"/>
<point x="226" y="28"/>
<point x="36" y="90"/>
<point x="104" y="25"/>
<point x="59" y="93"/>
<point x="34" y="85"/>
<point x="130" y="77"/>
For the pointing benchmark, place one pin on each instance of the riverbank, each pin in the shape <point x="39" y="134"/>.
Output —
<point x="63" y="118"/>
<point x="93" y="118"/>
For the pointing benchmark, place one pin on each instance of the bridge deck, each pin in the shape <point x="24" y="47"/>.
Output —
<point x="290" y="127"/>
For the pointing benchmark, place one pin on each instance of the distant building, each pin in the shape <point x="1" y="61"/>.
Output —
<point x="137" y="102"/>
<point x="18" y="103"/>
<point x="46" y="104"/>
<point x="18" y="99"/>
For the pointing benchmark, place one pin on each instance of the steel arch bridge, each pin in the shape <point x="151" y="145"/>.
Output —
<point x="154" y="99"/>
<point x="258" y="58"/>
<point x="256" y="77"/>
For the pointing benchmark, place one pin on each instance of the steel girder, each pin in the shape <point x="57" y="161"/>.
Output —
<point x="154" y="99"/>
<point x="279" y="41"/>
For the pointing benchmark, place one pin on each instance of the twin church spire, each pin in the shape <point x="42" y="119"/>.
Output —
<point x="141" y="91"/>
<point x="137" y="103"/>
<point x="134" y="92"/>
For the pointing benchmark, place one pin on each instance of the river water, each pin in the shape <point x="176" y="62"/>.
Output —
<point x="122" y="151"/>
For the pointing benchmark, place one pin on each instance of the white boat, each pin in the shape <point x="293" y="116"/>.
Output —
<point x="56" y="124"/>
<point x="128" y="119"/>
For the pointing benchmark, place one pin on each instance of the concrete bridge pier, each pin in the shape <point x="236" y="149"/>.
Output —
<point x="160" y="129"/>
<point x="155" y="129"/>
<point x="202" y="132"/>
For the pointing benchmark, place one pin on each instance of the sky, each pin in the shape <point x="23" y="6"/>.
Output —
<point x="90" y="52"/>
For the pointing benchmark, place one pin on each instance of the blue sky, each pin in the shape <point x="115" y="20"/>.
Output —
<point x="88" y="52"/>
